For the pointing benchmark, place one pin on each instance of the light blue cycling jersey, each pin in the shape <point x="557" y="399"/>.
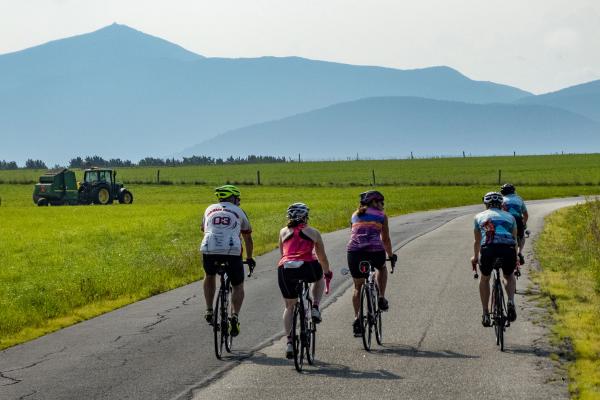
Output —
<point x="496" y="227"/>
<point x="514" y="204"/>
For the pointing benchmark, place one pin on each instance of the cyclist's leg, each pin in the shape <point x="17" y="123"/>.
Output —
<point x="509" y="264"/>
<point x="358" y="283"/>
<point x="315" y="276"/>
<point x="354" y="260"/>
<point x="486" y="259"/>
<point x="235" y="271"/>
<point x="209" y="284"/>
<point x="289" y="294"/>
<point x="377" y="259"/>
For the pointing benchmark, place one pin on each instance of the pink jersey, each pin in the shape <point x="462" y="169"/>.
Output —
<point x="298" y="247"/>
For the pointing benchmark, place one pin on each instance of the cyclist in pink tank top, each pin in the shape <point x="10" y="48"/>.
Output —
<point x="302" y="258"/>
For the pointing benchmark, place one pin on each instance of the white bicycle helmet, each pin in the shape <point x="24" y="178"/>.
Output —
<point x="493" y="199"/>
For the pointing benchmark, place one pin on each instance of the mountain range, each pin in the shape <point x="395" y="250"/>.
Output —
<point x="118" y="92"/>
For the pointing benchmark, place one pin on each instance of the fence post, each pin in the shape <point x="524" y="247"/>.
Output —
<point x="499" y="177"/>
<point x="158" y="176"/>
<point x="373" y="171"/>
<point x="258" y="177"/>
<point x="514" y="153"/>
<point x="464" y="154"/>
<point x="411" y="155"/>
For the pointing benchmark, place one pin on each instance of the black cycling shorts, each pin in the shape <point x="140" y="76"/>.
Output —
<point x="375" y="258"/>
<point x="310" y="271"/>
<point x="234" y="267"/>
<point x="520" y="227"/>
<point x="489" y="254"/>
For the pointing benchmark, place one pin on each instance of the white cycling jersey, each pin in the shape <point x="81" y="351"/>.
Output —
<point x="222" y="225"/>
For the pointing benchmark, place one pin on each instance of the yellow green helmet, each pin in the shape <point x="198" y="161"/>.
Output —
<point x="226" y="191"/>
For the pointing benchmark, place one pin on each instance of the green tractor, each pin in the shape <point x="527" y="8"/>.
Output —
<point x="59" y="187"/>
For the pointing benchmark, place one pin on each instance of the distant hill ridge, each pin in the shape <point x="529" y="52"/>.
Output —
<point x="122" y="93"/>
<point x="396" y="126"/>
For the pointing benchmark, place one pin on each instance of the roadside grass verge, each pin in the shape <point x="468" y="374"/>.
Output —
<point x="569" y="253"/>
<point x="61" y="265"/>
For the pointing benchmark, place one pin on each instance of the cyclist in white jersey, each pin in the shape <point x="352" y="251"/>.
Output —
<point x="225" y="225"/>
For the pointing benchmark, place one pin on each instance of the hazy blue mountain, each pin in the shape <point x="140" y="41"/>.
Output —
<point x="395" y="126"/>
<point x="583" y="99"/>
<point x="118" y="92"/>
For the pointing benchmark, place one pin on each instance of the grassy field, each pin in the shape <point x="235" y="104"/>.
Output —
<point x="61" y="265"/>
<point x="557" y="170"/>
<point x="569" y="252"/>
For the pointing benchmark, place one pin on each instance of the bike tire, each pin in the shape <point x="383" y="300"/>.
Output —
<point x="311" y="335"/>
<point x="296" y="342"/>
<point x="365" y="317"/>
<point x="378" y="319"/>
<point x="217" y="328"/>
<point x="225" y="321"/>
<point x="502" y="318"/>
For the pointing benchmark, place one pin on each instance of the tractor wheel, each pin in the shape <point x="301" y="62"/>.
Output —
<point x="102" y="195"/>
<point x="125" y="197"/>
<point x="42" y="201"/>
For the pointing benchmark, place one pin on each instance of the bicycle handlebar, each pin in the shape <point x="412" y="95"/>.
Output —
<point x="392" y="261"/>
<point x="250" y="267"/>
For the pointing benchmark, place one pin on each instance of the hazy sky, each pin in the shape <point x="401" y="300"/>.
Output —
<point x="537" y="45"/>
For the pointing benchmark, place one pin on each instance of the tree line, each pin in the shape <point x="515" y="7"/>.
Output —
<point x="29" y="164"/>
<point x="97" y="161"/>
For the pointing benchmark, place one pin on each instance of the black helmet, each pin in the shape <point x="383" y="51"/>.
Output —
<point x="369" y="196"/>
<point x="507" y="188"/>
<point x="493" y="199"/>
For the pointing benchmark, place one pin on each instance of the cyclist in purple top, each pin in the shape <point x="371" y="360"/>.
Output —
<point x="369" y="241"/>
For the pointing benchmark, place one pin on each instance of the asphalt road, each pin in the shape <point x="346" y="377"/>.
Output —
<point x="434" y="345"/>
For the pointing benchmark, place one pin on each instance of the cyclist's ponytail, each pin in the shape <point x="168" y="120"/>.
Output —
<point x="362" y="209"/>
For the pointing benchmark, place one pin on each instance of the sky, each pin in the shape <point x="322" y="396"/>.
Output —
<point x="536" y="45"/>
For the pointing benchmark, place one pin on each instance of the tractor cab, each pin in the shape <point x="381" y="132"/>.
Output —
<point x="95" y="175"/>
<point x="99" y="186"/>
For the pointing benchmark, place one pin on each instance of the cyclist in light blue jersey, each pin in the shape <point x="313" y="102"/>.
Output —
<point x="514" y="204"/>
<point x="495" y="234"/>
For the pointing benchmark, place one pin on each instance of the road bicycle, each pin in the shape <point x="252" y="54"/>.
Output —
<point x="221" y="322"/>
<point x="304" y="329"/>
<point x="370" y="314"/>
<point x="499" y="314"/>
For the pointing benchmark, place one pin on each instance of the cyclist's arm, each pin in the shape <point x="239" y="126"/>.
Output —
<point x="248" y="243"/>
<point x="525" y="217"/>
<point x="385" y="237"/>
<point x="476" y="245"/>
<point x="320" y="250"/>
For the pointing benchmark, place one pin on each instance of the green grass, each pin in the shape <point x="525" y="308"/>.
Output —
<point x="64" y="264"/>
<point x="557" y="170"/>
<point x="569" y="252"/>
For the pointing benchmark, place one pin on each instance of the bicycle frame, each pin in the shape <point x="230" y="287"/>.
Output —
<point x="304" y="335"/>
<point x="369" y="295"/>
<point x="499" y="316"/>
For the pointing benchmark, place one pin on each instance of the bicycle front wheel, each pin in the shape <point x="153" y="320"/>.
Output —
<point x="365" y="317"/>
<point x="217" y="328"/>
<point x="296" y="340"/>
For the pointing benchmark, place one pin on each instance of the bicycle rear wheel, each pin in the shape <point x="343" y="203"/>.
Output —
<point x="311" y="336"/>
<point x="378" y="322"/>
<point x="225" y="322"/>
<point x="365" y="317"/>
<point x="501" y="316"/>
<point x="296" y="339"/>
<point x="217" y="328"/>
